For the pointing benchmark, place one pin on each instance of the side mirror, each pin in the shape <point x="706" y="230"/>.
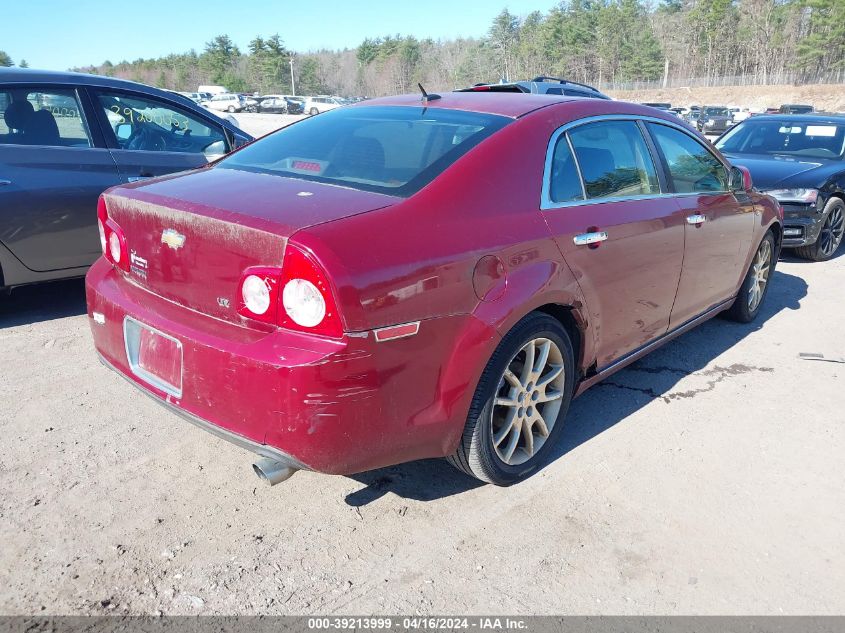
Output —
<point x="123" y="131"/>
<point x="740" y="179"/>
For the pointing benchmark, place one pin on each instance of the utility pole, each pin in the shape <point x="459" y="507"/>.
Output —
<point x="666" y="73"/>
<point x="292" y="87"/>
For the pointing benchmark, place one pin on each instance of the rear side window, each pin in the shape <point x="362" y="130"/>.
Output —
<point x="564" y="182"/>
<point x="386" y="149"/>
<point x="614" y="160"/>
<point x="691" y="165"/>
<point x="32" y="116"/>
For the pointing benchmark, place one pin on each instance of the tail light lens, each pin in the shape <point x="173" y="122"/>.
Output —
<point x="112" y="239"/>
<point x="258" y="294"/>
<point x="296" y="297"/>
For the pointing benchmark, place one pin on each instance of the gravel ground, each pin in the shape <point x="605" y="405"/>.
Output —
<point x="705" y="479"/>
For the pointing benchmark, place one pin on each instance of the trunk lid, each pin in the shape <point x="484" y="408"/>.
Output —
<point x="190" y="236"/>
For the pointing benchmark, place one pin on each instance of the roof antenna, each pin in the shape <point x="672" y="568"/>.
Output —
<point x="427" y="97"/>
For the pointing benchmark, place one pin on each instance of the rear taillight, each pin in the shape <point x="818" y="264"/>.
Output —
<point x="112" y="239"/>
<point x="258" y="294"/>
<point x="296" y="297"/>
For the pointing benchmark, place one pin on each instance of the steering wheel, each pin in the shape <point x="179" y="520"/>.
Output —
<point x="147" y="139"/>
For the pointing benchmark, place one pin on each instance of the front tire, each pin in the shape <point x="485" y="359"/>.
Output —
<point x="754" y="287"/>
<point x="830" y="237"/>
<point x="231" y="108"/>
<point x="519" y="405"/>
<point x="313" y="111"/>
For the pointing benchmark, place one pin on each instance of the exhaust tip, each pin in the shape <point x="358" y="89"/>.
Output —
<point x="271" y="471"/>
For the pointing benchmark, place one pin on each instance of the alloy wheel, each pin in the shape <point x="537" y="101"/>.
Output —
<point x="760" y="274"/>
<point x="831" y="233"/>
<point x="528" y="401"/>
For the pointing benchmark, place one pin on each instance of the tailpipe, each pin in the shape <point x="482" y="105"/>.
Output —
<point x="272" y="471"/>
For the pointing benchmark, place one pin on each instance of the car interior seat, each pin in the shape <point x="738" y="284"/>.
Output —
<point x="17" y="116"/>
<point x="42" y="129"/>
<point x="358" y="157"/>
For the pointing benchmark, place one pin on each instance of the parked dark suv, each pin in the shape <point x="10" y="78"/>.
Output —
<point x="541" y="85"/>
<point x="798" y="159"/>
<point x="64" y="139"/>
<point x="714" y="120"/>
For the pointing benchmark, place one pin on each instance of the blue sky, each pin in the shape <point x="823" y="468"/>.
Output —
<point x="56" y="34"/>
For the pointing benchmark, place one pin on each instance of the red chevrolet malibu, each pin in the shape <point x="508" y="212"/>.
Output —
<point x="404" y="279"/>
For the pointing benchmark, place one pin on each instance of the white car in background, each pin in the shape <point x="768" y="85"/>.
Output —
<point x="316" y="105"/>
<point x="226" y="102"/>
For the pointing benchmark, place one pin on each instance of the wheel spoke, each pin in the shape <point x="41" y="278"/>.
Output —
<point x="511" y="447"/>
<point x="540" y="422"/>
<point x="542" y="359"/>
<point x="549" y="396"/>
<point x="528" y="367"/>
<point x="506" y="429"/>
<point x="512" y="380"/>
<point x="552" y="375"/>
<point x="528" y="437"/>
<point x="510" y="401"/>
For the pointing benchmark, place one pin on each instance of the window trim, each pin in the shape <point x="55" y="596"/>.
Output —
<point x="547" y="204"/>
<point x="83" y="115"/>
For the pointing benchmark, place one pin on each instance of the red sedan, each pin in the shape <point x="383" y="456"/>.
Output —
<point x="404" y="279"/>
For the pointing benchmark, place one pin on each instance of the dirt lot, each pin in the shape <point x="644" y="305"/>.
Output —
<point x="824" y="97"/>
<point x="705" y="479"/>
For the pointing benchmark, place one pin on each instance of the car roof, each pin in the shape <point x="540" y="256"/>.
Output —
<point x="509" y="104"/>
<point x="30" y="75"/>
<point x="809" y="117"/>
<point x="515" y="105"/>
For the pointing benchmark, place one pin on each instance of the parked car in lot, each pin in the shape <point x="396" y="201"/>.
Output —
<point x="319" y="104"/>
<point x="795" y="108"/>
<point x="272" y="105"/>
<point x="54" y="164"/>
<point x="226" y="102"/>
<point x="799" y="160"/>
<point x="714" y="120"/>
<point x="541" y="85"/>
<point x="403" y="279"/>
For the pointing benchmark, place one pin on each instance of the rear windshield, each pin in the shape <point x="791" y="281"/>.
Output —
<point x="817" y="139"/>
<point x="387" y="149"/>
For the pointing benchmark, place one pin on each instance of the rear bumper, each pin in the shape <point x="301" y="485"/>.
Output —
<point x="238" y="440"/>
<point x="332" y="406"/>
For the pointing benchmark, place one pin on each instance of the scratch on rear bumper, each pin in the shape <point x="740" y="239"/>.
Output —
<point x="238" y="440"/>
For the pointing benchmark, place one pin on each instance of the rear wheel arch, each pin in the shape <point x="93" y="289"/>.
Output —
<point x="566" y="316"/>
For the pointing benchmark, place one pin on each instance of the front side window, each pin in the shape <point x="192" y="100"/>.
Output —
<point x="614" y="160"/>
<point x="147" y="124"/>
<point x="34" y="116"/>
<point x="691" y="165"/>
<point x="386" y="149"/>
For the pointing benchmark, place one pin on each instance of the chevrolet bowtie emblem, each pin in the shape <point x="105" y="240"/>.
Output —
<point x="172" y="238"/>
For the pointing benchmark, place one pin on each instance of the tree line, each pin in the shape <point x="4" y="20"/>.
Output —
<point x="602" y="42"/>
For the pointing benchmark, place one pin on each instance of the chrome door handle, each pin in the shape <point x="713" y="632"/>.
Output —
<point x="696" y="219"/>
<point x="590" y="238"/>
<point x="136" y="178"/>
<point x="5" y="182"/>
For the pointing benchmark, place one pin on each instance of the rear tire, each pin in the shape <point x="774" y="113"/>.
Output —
<point x="830" y="236"/>
<point x="313" y="111"/>
<point x="755" y="286"/>
<point x="231" y="108"/>
<point x="520" y="403"/>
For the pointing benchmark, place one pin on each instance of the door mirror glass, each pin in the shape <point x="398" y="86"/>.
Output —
<point x="215" y="150"/>
<point x="123" y="131"/>
<point x="740" y="179"/>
